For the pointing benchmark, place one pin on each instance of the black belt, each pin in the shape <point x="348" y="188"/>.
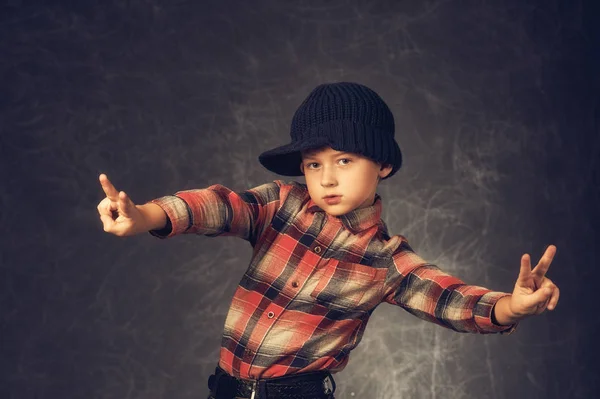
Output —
<point x="312" y="385"/>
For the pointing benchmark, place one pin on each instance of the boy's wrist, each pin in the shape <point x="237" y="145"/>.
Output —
<point x="154" y="217"/>
<point x="502" y="314"/>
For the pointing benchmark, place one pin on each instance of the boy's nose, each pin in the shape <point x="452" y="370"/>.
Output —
<point x="328" y="179"/>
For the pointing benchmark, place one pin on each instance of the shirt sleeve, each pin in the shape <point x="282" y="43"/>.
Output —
<point x="429" y="293"/>
<point x="217" y="210"/>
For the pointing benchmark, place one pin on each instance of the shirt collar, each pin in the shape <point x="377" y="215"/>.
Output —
<point x="358" y="219"/>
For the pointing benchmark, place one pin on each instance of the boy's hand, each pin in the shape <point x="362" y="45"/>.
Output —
<point x="534" y="292"/>
<point x="118" y="213"/>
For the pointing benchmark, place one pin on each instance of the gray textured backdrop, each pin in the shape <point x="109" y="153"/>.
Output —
<point x="497" y="114"/>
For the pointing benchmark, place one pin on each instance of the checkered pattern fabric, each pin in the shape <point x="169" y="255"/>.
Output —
<point x="315" y="279"/>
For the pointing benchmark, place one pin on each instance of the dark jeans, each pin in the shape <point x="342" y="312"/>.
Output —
<point x="299" y="386"/>
<point x="212" y="397"/>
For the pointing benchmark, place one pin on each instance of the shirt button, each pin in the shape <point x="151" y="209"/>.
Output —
<point x="270" y="315"/>
<point x="295" y="284"/>
<point x="318" y="250"/>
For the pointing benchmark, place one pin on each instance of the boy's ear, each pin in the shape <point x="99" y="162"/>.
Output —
<point x="384" y="170"/>
<point x="302" y="167"/>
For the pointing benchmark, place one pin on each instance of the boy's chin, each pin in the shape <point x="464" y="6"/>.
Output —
<point x="332" y="211"/>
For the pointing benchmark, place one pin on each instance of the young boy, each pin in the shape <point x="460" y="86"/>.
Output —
<point x="323" y="259"/>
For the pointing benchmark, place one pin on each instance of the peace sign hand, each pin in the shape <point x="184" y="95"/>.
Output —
<point x="534" y="292"/>
<point x="118" y="213"/>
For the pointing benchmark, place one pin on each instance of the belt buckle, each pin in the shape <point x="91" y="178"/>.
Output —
<point x="328" y="385"/>
<point x="253" y="390"/>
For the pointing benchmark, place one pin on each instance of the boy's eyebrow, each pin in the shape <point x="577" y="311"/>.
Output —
<point x="313" y="155"/>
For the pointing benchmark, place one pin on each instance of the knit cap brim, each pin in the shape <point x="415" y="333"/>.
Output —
<point x="356" y="138"/>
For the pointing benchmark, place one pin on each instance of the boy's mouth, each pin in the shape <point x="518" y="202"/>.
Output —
<point x="332" y="199"/>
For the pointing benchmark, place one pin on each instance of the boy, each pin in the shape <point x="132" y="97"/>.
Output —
<point x="322" y="259"/>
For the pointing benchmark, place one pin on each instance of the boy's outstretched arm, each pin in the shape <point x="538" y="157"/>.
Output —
<point x="533" y="292"/>
<point x="219" y="211"/>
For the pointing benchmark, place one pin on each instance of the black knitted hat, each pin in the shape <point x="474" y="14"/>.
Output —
<point x="345" y="116"/>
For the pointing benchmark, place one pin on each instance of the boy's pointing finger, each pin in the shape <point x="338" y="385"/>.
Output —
<point x="110" y="190"/>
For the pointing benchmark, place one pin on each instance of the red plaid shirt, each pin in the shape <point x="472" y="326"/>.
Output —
<point x="314" y="279"/>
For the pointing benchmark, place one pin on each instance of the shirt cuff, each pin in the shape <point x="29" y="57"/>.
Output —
<point x="179" y="216"/>
<point x="482" y="313"/>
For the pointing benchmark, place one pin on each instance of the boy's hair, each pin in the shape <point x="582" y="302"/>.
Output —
<point x="344" y="116"/>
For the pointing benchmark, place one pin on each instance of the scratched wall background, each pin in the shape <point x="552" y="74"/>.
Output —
<point x="496" y="104"/>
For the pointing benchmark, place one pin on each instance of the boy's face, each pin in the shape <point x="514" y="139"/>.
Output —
<point x="350" y="177"/>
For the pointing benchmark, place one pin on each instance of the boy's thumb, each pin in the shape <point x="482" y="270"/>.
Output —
<point x="541" y="295"/>
<point x="124" y="203"/>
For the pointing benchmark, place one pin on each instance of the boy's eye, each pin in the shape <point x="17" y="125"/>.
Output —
<point x="313" y="165"/>
<point x="345" y="161"/>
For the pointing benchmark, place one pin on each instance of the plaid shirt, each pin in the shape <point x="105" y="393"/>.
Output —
<point x="314" y="279"/>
